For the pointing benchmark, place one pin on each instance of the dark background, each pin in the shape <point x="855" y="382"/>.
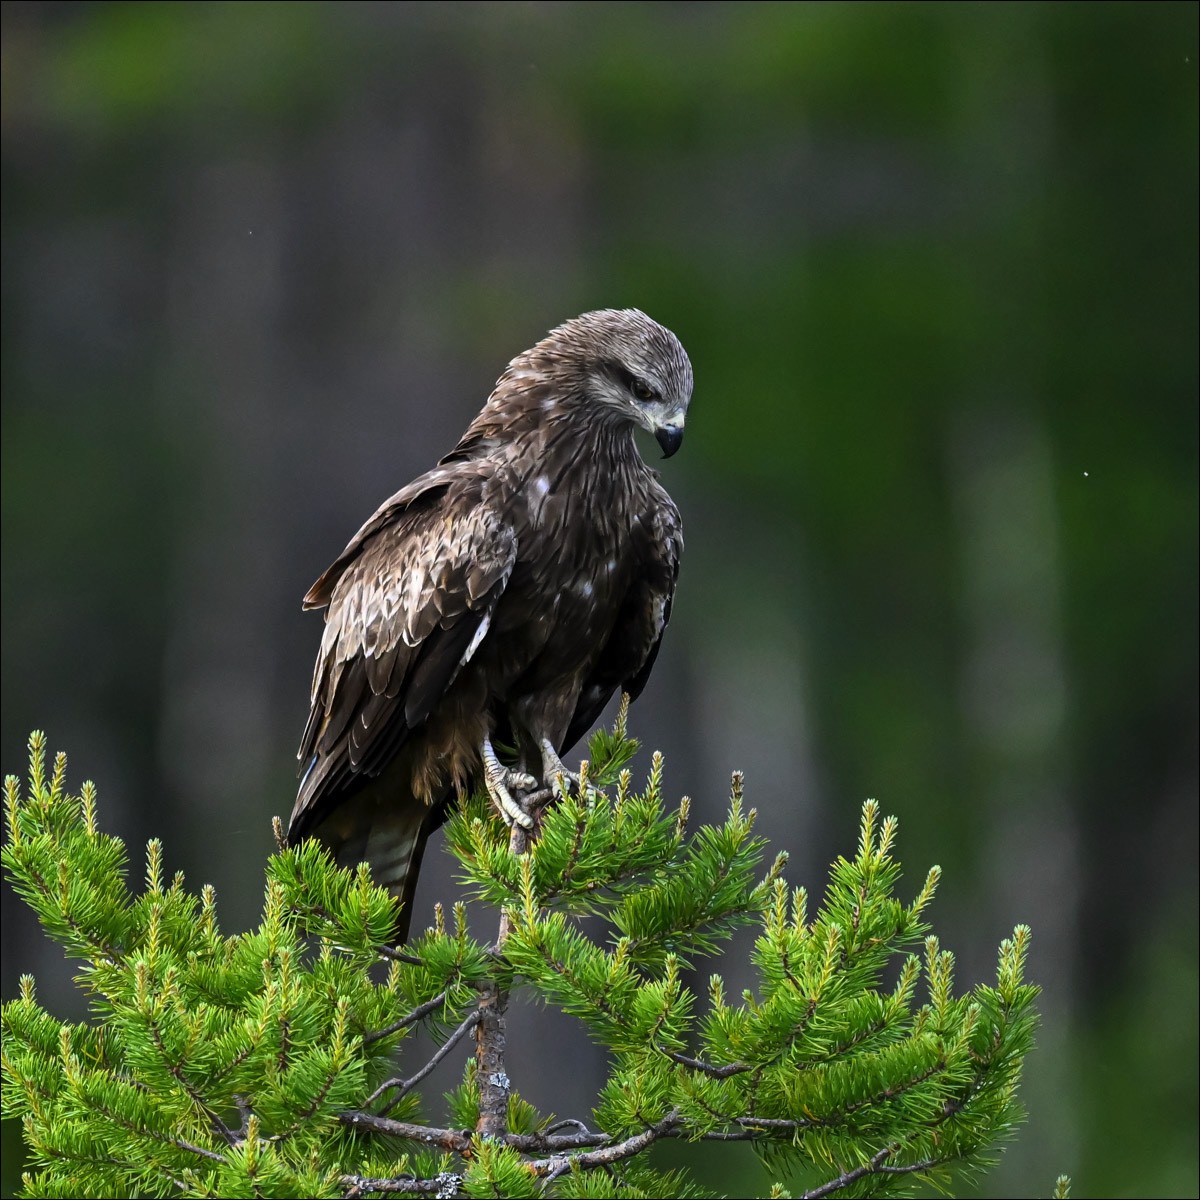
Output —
<point x="936" y="267"/>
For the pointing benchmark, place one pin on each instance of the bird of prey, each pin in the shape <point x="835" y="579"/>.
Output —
<point x="504" y="595"/>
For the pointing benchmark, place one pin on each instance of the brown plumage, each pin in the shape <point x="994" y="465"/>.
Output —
<point x="513" y="588"/>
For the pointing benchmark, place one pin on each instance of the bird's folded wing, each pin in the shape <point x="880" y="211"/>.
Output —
<point x="410" y="600"/>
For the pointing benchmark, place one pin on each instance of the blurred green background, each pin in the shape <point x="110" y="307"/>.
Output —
<point x="936" y="267"/>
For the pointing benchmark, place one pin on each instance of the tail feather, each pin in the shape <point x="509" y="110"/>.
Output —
<point x="394" y="849"/>
<point x="389" y="834"/>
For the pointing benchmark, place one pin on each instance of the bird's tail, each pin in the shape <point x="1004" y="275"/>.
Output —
<point x="387" y="834"/>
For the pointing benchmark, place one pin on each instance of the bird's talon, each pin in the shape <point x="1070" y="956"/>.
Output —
<point x="559" y="778"/>
<point x="498" y="779"/>
<point x="510" y="809"/>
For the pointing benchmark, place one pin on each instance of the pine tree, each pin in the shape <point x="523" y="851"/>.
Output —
<point x="262" y="1063"/>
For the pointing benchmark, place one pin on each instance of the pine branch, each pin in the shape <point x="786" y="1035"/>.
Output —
<point x="292" y="1026"/>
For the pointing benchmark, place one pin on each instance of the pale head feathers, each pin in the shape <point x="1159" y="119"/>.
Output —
<point x="612" y="364"/>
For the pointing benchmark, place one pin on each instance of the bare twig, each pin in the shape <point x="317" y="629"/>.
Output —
<point x="926" y="1164"/>
<point x="717" y="1072"/>
<point x="445" y="1184"/>
<point x="398" y="956"/>
<point x="579" y="1126"/>
<point x="455" y="1140"/>
<point x="868" y="1168"/>
<point x="196" y="1149"/>
<point x="783" y="1123"/>
<point x="874" y="1166"/>
<point x="417" y="1014"/>
<point x="548" y="1143"/>
<point x="405" y="1086"/>
<point x="555" y="1165"/>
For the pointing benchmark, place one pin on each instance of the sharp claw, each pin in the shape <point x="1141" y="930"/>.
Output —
<point x="498" y="779"/>
<point x="558" y="777"/>
<point x="510" y="810"/>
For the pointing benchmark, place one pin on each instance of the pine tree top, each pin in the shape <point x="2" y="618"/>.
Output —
<point x="262" y="1063"/>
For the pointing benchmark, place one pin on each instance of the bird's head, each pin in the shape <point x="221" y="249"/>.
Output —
<point x="631" y="366"/>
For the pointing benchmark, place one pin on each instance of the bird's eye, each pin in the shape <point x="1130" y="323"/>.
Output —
<point x="642" y="390"/>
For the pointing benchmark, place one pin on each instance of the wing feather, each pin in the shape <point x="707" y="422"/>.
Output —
<point x="405" y="600"/>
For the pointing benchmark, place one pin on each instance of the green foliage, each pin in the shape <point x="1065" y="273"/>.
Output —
<point x="260" y="1063"/>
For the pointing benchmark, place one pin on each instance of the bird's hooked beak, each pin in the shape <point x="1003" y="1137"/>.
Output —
<point x="670" y="438"/>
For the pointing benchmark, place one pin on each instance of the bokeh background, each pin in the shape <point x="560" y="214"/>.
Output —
<point x="936" y="267"/>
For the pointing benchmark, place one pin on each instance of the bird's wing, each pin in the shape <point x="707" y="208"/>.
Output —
<point x="409" y="602"/>
<point x="629" y="653"/>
